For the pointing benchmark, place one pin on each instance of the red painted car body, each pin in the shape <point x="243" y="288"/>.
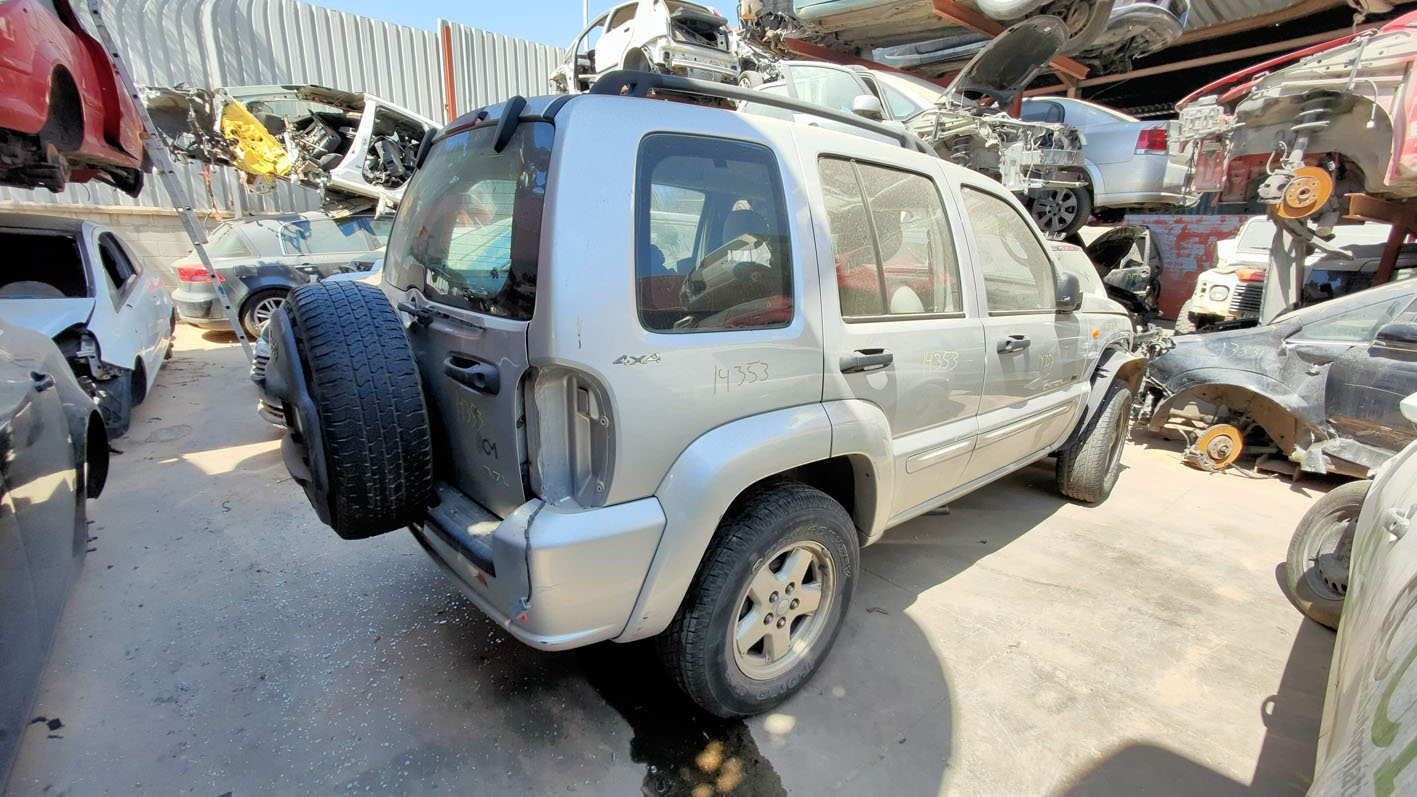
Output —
<point x="63" y="115"/>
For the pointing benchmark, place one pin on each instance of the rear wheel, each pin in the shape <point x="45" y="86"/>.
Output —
<point x="1089" y="466"/>
<point x="259" y="308"/>
<point x="767" y="602"/>
<point x="366" y="449"/>
<point x="1061" y="211"/>
<point x="1316" y="569"/>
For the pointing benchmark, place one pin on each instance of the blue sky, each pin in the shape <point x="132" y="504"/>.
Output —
<point x="554" y="22"/>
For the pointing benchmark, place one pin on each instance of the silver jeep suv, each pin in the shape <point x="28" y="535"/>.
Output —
<point x="661" y="370"/>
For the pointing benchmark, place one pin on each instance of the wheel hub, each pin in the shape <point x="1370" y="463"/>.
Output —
<point x="782" y="610"/>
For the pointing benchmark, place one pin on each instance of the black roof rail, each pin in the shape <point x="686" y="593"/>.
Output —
<point x="631" y="83"/>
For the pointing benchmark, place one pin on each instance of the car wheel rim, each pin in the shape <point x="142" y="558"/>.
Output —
<point x="1055" y="209"/>
<point x="264" y="309"/>
<point x="782" y="610"/>
<point x="1329" y="555"/>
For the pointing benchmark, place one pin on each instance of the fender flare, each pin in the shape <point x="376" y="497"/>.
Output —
<point x="1115" y="365"/>
<point x="700" y="487"/>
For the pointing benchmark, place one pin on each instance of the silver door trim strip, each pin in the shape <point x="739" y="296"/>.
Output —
<point x="1019" y="426"/>
<point x="935" y="456"/>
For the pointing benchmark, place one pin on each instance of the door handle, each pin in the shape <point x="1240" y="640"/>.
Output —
<point x="865" y="360"/>
<point x="480" y="376"/>
<point x="42" y="382"/>
<point x="1013" y="343"/>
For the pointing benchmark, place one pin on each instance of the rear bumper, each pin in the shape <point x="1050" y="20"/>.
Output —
<point x="554" y="577"/>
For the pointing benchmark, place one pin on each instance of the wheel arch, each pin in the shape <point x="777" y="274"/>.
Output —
<point x="65" y="119"/>
<point x="1280" y="415"/>
<point x="713" y="473"/>
<point x="1115" y="365"/>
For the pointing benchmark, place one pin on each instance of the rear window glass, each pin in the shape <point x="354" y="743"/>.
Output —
<point x="227" y="241"/>
<point x="711" y="244"/>
<point x="469" y="228"/>
<point x="41" y="266"/>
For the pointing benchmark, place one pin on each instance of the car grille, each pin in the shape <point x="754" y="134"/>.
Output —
<point x="1246" y="298"/>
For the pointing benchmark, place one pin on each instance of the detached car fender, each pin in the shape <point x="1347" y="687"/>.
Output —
<point x="1276" y="408"/>
<point x="700" y="487"/>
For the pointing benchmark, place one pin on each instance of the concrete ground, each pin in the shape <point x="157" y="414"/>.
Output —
<point x="220" y="641"/>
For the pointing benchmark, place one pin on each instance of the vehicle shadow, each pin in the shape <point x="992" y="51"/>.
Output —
<point x="1286" y="760"/>
<point x="1307" y="484"/>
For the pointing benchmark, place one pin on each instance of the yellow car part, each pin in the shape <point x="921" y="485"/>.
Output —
<point x="1217" y="449"/>
<point x="1306" y="193"/>
<point x="255" y="150"/>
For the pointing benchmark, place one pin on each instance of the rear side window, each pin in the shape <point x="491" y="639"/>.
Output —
<point x="468" y="231"/>
<point x="1018" y="277"/>
<point x="322" y="237"/>
<point x="711" y="244"/>
<point x="891" y="242"/>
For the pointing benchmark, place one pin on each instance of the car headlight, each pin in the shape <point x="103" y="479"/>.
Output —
<point x="1219" y="293"/>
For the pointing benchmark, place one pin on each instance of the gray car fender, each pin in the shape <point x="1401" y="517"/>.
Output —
<point x="700" y="486"/>
<point x="1115" y="364"/>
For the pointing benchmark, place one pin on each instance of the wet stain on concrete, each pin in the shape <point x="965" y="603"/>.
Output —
<point x="685" y="750"/>
<point x="167" y="434"/>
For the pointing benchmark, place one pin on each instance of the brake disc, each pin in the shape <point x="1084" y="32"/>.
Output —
<point x="1306" y="193"/>
<point x="1216" y="449"/>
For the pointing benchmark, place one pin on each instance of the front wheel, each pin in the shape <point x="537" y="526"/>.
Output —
<point x="1316" y="569"/>
<point x="1185" y="322"/>
<point x="1089" y="465"/>
<point x="767" y="602"/>
<point x="1061" y="211"/>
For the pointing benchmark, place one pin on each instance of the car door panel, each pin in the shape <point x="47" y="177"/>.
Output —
<point x="1364" y="388"/>
<point x="610" y="50"/>
<point x="901" y="336"/>
<point x="1034" y="380"/>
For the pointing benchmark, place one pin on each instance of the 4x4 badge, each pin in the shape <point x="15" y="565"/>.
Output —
<point x="630" y="359"/>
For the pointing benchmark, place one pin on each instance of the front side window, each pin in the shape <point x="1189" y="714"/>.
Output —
<point x="1018" y="277"/>
<point x="116" y="265"/>
<point x="902" y="107"/>
<point x="321" y="236"/>
<point x="711" y="245"/>
<point x="1359" y="325"/>
<point x="1041" y="111"/>
<point x="469" y="229"/>
<point x="891" y="242"/>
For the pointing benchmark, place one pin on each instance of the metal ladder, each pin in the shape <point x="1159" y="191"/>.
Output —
<point x="162" y="164"/>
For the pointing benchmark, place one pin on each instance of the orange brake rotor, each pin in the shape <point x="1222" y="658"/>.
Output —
<point x="1306" y="194"/>
<point x="1219" y="447"/>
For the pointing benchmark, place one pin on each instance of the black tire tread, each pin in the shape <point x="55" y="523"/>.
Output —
<point x="757" y="512"/>
<point x="1184" y="325"/>
<point x="1321" y="609"/>
<point x="365" y="387"/>
<point x="1082" y="464"/>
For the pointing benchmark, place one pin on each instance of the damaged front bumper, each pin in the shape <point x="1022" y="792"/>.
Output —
<point x="555" y="577"/>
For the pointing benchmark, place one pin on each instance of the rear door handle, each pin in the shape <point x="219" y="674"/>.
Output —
<point x="865" y="360"/>
<point x="1013" y="343"/>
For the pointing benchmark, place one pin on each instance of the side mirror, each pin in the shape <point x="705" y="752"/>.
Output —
<point x="1398" y="336"/>
<point x="868" y="107"/>
<point x="1069" y="293"/>
<point x="1315" y="354"/>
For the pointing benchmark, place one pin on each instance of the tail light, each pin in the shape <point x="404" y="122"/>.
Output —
<point x="1250" y="274"/>
<point x="196" y="273"/>
<point x="1152" y="139"/>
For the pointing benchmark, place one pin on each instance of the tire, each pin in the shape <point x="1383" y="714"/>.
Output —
<point x="1185" y="324"/>
<point x="139" y="377"/>
<point x="115" y="404"/>
<point x="258" y="308"/>
<point x="1088" y="465"/>
<point x="1316" y="569"/>
<point x="1061" y="211"/>
<point x="363" y="384"/>
<point x="766" y="527"/>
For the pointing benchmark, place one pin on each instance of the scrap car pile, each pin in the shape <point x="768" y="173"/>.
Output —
<point x="910" y="272"/>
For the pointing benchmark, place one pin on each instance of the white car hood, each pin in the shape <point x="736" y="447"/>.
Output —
<point x="50" y="316"/>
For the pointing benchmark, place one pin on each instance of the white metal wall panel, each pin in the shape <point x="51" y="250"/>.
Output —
<point x="289" y="42"/>
<point x="488" y="68"/>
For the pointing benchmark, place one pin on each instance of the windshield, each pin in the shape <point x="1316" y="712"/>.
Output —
<point x="1256" y="236"/>
<point x="468" y="231"/>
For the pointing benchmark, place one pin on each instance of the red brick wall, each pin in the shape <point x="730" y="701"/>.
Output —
<point x="1187" y="246"/>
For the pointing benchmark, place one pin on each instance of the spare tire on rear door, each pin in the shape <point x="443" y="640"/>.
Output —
<point x="357" y="426"/>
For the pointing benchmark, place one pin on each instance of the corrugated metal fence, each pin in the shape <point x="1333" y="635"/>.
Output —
<point x="211" y="43"/>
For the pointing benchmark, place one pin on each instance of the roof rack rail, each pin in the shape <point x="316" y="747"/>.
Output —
<point x="631" y="83"/>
